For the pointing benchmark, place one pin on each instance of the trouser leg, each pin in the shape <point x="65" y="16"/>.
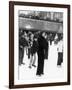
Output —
<point x="31" y="60"/>
<point x="34" y="59"/>
<point x="22" y="56"/>
<point x="28" y="53"/>
<point x="60" y="58"/>
<point x="46" y="54"/>
<point x="39" y="64"/>
<point x="42" y="65"/>
<point x="26" y="50"/>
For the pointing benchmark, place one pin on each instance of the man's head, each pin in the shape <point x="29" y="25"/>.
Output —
<point x="44" y="34"/>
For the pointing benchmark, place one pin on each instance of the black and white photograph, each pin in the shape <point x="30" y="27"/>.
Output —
<point x="40" y="45"/>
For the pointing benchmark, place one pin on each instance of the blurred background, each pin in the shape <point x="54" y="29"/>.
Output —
<point x="40" y="20"/>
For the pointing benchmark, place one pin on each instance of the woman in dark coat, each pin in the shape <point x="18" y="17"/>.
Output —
<point x="41" y="49"/>
<point x="34" y="49"/>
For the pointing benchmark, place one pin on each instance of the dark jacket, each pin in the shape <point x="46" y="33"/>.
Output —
<point x="23" y="42"/>
<point x="42" y="43"/>
<point x="34" y="47"/>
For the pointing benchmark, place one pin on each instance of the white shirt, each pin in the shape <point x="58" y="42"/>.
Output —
<point x="60" y="46"/>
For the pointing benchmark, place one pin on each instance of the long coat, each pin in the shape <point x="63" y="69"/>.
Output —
<point x="41" y="48"/>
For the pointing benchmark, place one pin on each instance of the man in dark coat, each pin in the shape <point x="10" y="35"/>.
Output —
<point x="41" y="49"/>
<point x="47" y="46"/>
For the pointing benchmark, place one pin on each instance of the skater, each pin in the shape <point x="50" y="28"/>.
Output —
<point x="41" y="48"/>
<point x="60" y="52"/>
<point x="22" y="44"/>
<point x="34" y="50"/>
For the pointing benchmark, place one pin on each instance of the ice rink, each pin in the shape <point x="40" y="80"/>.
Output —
<point x="52" y="73"/>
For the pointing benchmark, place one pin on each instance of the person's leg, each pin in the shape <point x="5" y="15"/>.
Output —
<point x="28" y="53"/>
<point x="22" y="56"/>
<point x="31" y="59"/>
<point x="46" y="54"/>
<point x="39" y="64"/>
<point x="59" y="59"/>
<point x="50" y="42"/>
<point x="34" y="60"/>
<point x="26" y="50"/>
<point x="42" y="65"/>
